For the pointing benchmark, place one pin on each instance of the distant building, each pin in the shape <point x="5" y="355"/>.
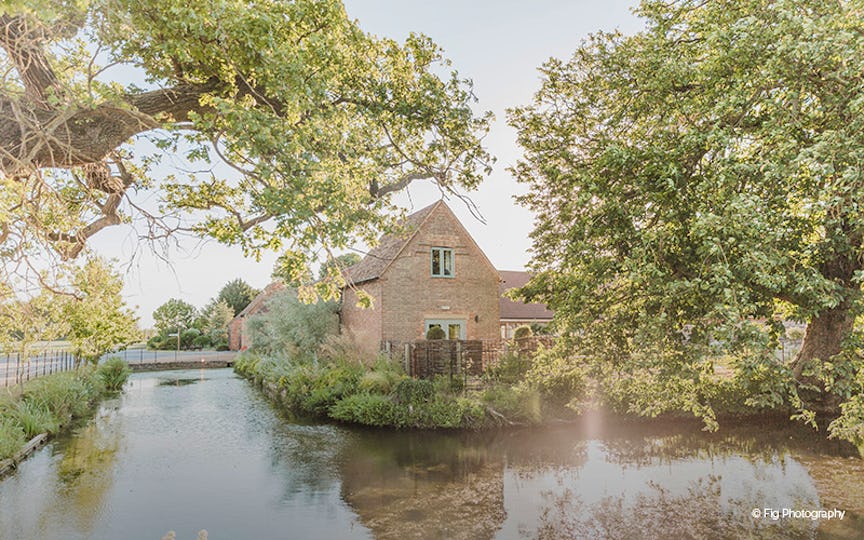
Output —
<point x="515" y="314"/>
<point x="238" y="338"/>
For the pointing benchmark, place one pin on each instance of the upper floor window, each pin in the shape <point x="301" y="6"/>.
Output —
<point x="442" y="262"/>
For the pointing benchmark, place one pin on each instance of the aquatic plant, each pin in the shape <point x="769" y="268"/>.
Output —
<point x="113" y="374"/>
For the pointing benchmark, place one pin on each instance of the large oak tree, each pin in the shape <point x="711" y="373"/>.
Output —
<point x="696" y="184"/>
<point x="318" y="121"/>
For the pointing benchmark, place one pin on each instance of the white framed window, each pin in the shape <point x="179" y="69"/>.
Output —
<point x="443" y="263"/>
<point x="453" y="328"/>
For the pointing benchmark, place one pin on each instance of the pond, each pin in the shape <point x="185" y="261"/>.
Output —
<point x="185" y="451"/>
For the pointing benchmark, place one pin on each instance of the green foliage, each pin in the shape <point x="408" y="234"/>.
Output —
<point x="12" y="437"/>
<point x="113" y="374"/>
<point x="523" y="332"/>
<point x="201" y="342"/>
<point x="188" y="337"/>
<point x="290" y="327"/>
<point x="236" y="294"/>
<point x="379" y="410"/>
<point x="217" y="316"/>
<point x="435" y="332"/>
<point x="174" y="316"/>
<point x="34" y="418"/>
<point x="558" y="377"/>
<point x="338" y="263"/>
<point x="413" y="391"/>
<point x="98" y="318"/>
<point x="692" y="178"/>
<point x="319" y="121"/>
<point x="50" y="403"/>
<point x="444" y="384"/>
<point x="516" y="404"/>
<point x="66" y="395"/>
<point x="379" y="382"/>
<point x="367" y="409"/>
<point x="511" y="368"/>
<point x="850" y="424"/>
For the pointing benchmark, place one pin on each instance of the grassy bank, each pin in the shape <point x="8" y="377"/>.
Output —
<point x="52" y="403"/>
<point x="380" y="394"/>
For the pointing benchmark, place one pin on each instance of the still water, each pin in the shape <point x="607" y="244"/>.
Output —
<point x="185" y="451"/>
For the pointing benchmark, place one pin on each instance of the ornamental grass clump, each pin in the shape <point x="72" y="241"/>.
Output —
<point x="50" y="403"/>
<point x="113" y="374"/>
<point x="35" y="418"/>
<point x="12" y="438"/>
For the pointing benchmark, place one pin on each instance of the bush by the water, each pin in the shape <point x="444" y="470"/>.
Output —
<point x="380" y="394"/>
<point x="51" y="403"/>
<point x="113" y="374"/>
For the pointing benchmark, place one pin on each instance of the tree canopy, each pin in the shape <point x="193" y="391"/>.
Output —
<point x="339" y="264"/>
<point x="317" y="122"/>
<point x="237" y="294"/>
<point x="696" y="184"/>
<point x="174" y="316"/>
<point x="99" y="320"/>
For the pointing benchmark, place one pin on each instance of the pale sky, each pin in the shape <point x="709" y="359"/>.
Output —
<point x="497" y="43"/>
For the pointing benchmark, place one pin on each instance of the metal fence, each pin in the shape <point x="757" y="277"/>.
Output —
<point x="19" y="368"/>
<point x="145" y="356"/>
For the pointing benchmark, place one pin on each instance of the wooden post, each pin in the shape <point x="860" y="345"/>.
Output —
<point x="407" y="360"/>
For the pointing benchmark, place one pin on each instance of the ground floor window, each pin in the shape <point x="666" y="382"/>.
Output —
<point x="453" y="328"/>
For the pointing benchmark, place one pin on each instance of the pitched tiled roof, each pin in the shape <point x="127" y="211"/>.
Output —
<point x="258" y="302"/>
<point x="388" y="248"/>
<point x="518" y="310"/>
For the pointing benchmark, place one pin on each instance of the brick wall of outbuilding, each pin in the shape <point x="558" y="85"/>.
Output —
<point x="410" y="294"/>
<point x="363" y="325"/>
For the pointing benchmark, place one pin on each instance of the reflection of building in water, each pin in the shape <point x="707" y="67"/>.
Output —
<point x="425" y="486"/>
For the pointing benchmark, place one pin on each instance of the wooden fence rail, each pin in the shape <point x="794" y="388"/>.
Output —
<point x="427" y="358"/>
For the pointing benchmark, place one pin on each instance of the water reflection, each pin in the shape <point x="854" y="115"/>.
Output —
<point x="424" y="485"/>
<point x="600" y="478"/>
<point x="217" y="455"/>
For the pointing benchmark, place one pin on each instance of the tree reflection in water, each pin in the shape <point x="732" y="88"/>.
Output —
<point x="624" y="480"/>
<point x="703" y="512"/>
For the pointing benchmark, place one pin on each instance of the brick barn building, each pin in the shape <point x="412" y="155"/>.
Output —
<point x="434" y="274"/>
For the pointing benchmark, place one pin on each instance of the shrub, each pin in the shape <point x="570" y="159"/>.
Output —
<point x="517" y="405"/>
<point x="523" y="332"/>
<point x="344" y="349"/>
<point x="447" y="413"/>
<point x="65" y="395"/>
<point x="557" y="377"/>
<point x="290" y="326"/>
<point x="12" y="438"/>
<point x="413" y="391"/>
<point x="366" y="409"/>
<point x="113" y="374"/>
<point x="34" y="418"/>
<point x="445" y="384"/>
<point x="511" y="368"/>
<point x="435" y="333"/>
<point x="201" y="342"/>
<point x="188" y="337"/>
<point x="379" y="382"/>
<point x="329" y="385"/>
<point x="154" y="342"/>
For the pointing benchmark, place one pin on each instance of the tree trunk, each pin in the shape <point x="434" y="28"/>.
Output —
<point x="822" y="340"/>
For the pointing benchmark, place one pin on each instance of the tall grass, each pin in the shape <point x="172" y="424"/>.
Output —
<point x="51" y="403"/>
